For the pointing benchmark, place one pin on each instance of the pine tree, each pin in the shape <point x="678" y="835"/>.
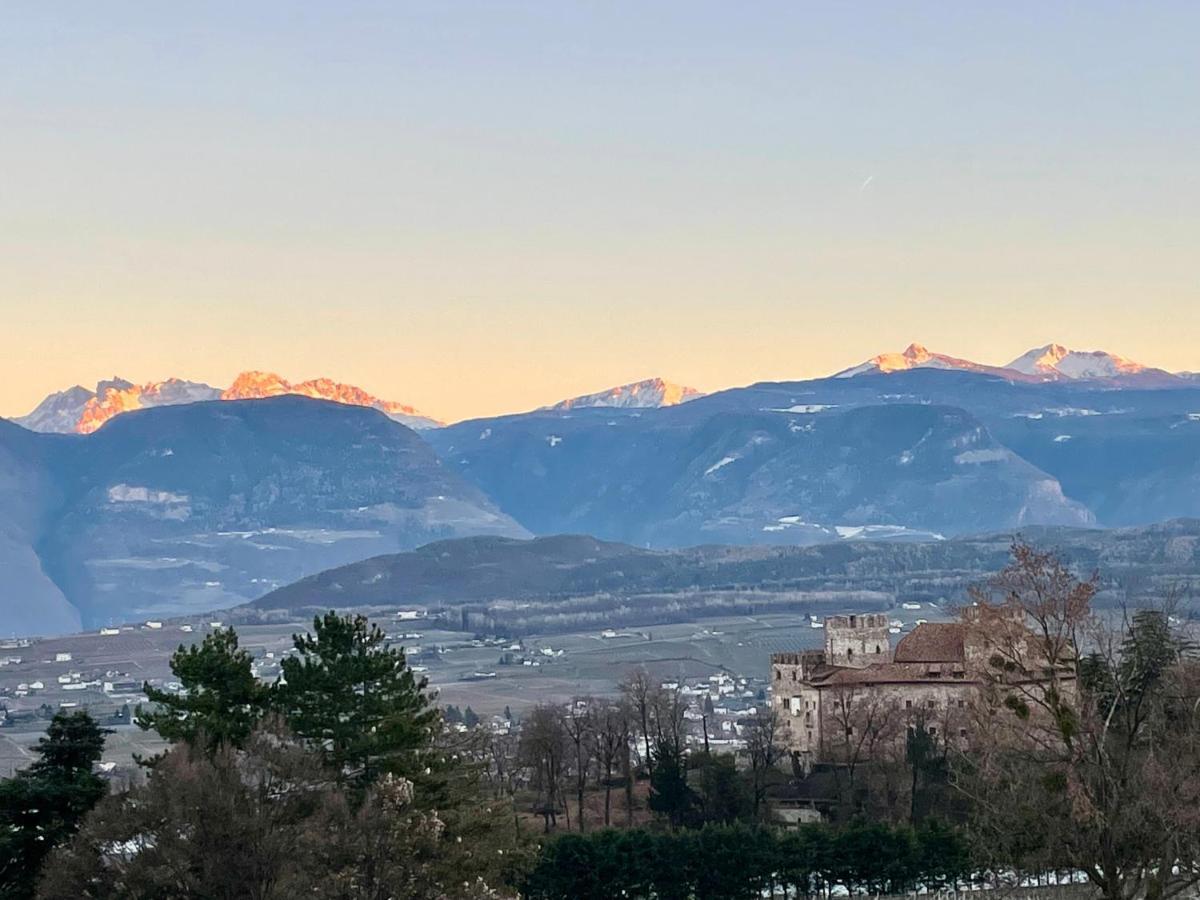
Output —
<point x="350" y="694"/>
<point x="221" y="698"/>
<point x="42" y="806"/>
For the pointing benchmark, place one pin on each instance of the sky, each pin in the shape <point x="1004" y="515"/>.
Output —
<point x="479" y="208"/>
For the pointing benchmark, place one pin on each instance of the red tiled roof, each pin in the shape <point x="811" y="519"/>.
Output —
<point x="932" y="642"/>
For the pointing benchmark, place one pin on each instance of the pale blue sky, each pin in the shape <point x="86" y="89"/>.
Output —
<point x="477" y="208"/>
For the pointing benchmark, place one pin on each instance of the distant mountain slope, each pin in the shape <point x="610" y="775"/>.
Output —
<point x="649" y="394"/>
<point x="29" y="599"/>
<point x="564" y="580"/>
<point x="80" y="411"/>
<point x="476" y="568"/>
<point x="209" y="504"/>
<point x="1131" y="454"/>
<point x="782" y="473"/>
<point x="798" y="462"/>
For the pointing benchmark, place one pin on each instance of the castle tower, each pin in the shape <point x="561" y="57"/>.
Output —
<point x="857" y="640"/>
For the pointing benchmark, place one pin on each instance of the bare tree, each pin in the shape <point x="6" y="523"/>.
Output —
<point x="503" y="769"/>
<point x="670" y="724"/>
<point x="613" y="734"/>
<point x="765" y="750"/>
<point x="1088" y="755"/>
<point x="861" y="725"/>
<point x="544" y="749"/>
<point x="640" y="691"/>
<point x="580" y="724"/>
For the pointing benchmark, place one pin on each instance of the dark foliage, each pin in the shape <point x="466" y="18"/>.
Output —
<point x="42" y="806"/>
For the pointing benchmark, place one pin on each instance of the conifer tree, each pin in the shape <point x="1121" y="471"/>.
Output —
<point x="221" y="698"/>
<point x="350" y="694"/>
<point x="42" y="806"/>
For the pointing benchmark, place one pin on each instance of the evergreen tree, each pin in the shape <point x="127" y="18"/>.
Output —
<point x="221" y="698"/>
<point x="670" y="795"/>
<point x="722" y="793"/>
<point x="350" y="694"/>
<point x="470" y="718"/>
<point x="42" y="806"/>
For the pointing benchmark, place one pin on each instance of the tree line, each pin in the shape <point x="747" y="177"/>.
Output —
<point x="732" y="862"/>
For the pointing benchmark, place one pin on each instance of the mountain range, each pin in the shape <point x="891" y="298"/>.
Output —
<point x="1052" y="362"/>
<point x="78" y="410"/>
<point x="180" y="505"/>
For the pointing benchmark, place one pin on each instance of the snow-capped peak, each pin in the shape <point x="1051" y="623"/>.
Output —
<point x="915" y="356"/>
<point x="256" y="385"/>
<point x="648" y="394"/>
<point x="119" y="396"/>
<point x="1056" y="361"/>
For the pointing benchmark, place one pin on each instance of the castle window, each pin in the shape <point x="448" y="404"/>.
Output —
<point x="854" y="621"/>
<point x="962" y="732"/>
<point x="932" y="730"/>
<point x="849" y="653"/>
<point x="931" y="703"/>
<point x="908" y="704"/>
<point x="778" y="675"/>
<point x="877" y="650"/>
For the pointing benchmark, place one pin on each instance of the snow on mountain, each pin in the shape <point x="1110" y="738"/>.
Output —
<point x="60" y="412"/>
<point x="1056" y="361"/>
<point x="255" y="385"/>
<point x="648" y="394"/>
<point x="116" y="397"/>
<point x="80" y="411"/>
<point x="1052" y="362"/>
<point x="917" y="357"/>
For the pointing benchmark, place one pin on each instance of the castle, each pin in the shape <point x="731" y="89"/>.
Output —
<point x="859" y="682"/>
